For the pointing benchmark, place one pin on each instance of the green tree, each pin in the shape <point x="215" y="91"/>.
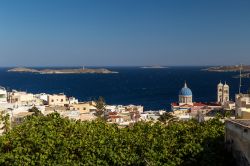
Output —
<point x="167" y="117"/>
<point x="100" y="107"/>
<point x="53" y="140"/>
<point x="36" y="111"/>
<point x="5" y="120"/>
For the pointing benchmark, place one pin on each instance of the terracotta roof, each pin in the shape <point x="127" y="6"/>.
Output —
<point x="115" y="117"/>
<point x="186" y="105"/>
<point x="112" y="113"/>
<point x="175" y="104"/>
<point x="199" y="104"/>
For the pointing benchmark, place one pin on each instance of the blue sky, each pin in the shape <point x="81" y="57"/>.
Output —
<point x="124" y="32"/>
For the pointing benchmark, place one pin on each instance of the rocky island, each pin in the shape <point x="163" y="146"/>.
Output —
<point x="236" y="68"/>
<point x="62" y="71"/>
<point x="154" y="67"/>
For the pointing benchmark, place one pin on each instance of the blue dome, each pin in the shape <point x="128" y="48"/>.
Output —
<point x="185" y="91"/>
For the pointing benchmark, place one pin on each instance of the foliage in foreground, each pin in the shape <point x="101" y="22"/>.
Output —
<point x="53" y="140"/>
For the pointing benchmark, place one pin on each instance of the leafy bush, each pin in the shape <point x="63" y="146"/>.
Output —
<point x="52" y="140"/>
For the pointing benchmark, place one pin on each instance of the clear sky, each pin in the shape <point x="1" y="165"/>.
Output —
<point x="124" y="32"/>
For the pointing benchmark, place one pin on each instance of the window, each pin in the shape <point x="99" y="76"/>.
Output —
<point x="245" y="130"/>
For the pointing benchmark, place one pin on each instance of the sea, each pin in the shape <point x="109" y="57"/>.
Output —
<point x="155" y="89"/>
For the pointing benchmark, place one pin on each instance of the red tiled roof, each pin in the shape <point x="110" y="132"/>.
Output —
<point x="186" y="105"/>
<point x="112" y="113"/>
<point x="175" y="104"/>
<point x="115" y="117"/>
<point x="199" y="104"/>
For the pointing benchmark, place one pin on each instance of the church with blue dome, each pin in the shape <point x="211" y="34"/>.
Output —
<point x="185" y="95"/>
<point x="186" y="108"/>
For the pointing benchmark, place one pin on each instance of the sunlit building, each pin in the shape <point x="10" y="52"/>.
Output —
<point x="3" y="95"/>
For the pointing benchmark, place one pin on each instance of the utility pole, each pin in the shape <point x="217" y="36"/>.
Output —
<point x="240" y="84"/>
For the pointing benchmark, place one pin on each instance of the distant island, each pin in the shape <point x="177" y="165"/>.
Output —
<point x="245" y="75"/>
<point x="62" y="71"/>
<point x="236" y="68"/>
<point x="154" y="67"/>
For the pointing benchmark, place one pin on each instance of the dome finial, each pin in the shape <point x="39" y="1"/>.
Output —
<point x="185" y="91"/>
<point x="185" y="84"/>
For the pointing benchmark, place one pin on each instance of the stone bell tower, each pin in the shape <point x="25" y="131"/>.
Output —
<point x="220" y="93"/>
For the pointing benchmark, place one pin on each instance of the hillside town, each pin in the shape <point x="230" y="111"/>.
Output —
<point x="18" y="105"/>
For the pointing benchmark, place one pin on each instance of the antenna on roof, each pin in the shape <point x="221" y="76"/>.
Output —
<point x="240" y="84"/>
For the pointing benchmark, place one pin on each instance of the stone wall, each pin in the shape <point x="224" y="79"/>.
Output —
<point x="237" y="139"/>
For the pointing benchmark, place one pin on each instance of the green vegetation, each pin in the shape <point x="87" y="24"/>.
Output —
<point x="5" y="120"/>
<point x="221" y="113"/>
<point x="100" y="107"/>
<point x="36" y="111"/>
<point x="167" y="117"/>
<point x="52" y="140"/>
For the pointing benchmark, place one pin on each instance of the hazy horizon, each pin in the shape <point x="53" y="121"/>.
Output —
<point x="124" y="33"/>
<point x="37" y="66"/>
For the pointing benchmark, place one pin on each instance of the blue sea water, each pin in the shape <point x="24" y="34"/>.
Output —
<point x="153" y="88"/>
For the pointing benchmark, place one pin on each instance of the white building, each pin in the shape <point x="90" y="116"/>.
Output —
<point x="42" y="96"/>
<point x="3" y="95"/>
<point x="242" y="106"/>
<point x="73" y="100"/>
<point x="122" y="108"/>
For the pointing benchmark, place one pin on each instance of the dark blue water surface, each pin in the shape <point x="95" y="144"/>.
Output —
<point x="153" y="88"/>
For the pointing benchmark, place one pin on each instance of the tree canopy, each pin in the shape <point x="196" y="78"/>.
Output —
<point x="36" y="111"/>
<point x="53" y="140"/>
<point x="100" y="107"/>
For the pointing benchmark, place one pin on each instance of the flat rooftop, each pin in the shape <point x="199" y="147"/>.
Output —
<point x="241" y="122"/>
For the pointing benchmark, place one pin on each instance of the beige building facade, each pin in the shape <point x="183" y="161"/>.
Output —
<point x="242" y="106"/>
<point x="23" y="98"/>
<point x="57" y="100"/>
<point x="83" y="107"/>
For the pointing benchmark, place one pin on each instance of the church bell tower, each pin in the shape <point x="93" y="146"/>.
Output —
<point x="222" y="93"/>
